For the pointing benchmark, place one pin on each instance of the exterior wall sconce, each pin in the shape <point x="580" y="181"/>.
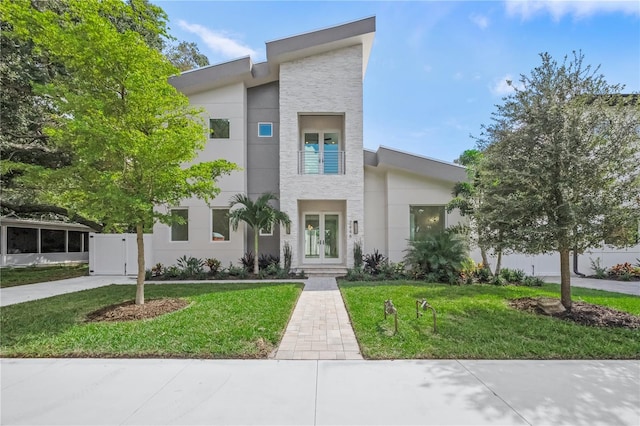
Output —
<point x="355" y="227"/>
<point x="287" y="228"/>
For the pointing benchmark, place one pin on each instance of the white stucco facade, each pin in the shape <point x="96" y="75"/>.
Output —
<point x="226" y="102"/>
<point x="319" y="79"/>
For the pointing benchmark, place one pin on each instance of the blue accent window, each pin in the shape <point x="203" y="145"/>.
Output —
<point x="265" y="130"/>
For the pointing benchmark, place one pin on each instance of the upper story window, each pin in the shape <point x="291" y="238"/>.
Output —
<point x="425" y="220"/>
<point x="219" y="128"/>
<point x="265" y="130"/>
<point x="321" y="146"/>
<point x="180" y="231"/>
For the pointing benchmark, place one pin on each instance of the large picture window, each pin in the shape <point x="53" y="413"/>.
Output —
<point x="425" y="220"/>
<point x="52" y="241"/>
<point x="22" y="240"/>
<point x="180" y="232"/>
<point x="219" y="128"/>
<point x="219" y="224"/>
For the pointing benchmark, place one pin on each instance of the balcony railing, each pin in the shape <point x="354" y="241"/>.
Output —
<point x="321" y="163"/>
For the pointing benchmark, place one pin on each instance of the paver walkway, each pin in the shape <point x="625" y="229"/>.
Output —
<point x="319" y="327"/>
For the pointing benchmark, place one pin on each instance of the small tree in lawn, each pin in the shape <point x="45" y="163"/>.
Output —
<point x="467" y="199"/>
<point x="561" y="163"/>
<point x="259" y="214"/>
<point x="129" y="131"/>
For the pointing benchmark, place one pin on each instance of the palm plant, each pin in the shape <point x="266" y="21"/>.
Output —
<point x="441" y="254"/>
<point x="258" y="214"/>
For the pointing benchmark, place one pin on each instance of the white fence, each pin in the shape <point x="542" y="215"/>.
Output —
<point x="117" y="254"/>
<point x="549" y="264"/>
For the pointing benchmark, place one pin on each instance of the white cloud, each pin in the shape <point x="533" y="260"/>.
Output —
<point x="480" y="20"/>
<point x="501" y="88"/>
<point x="217" y="42"/>
<point x="527" y="9"/>
<point x="458" y="76"/>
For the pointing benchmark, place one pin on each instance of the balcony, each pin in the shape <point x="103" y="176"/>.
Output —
<point x="311" y="162"/>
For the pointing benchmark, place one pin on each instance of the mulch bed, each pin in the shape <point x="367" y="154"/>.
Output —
<point x="583" y="313"/>
<point x="129" y="311"/>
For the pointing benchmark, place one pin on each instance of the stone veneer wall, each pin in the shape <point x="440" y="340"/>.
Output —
<point x="322" y="84"/>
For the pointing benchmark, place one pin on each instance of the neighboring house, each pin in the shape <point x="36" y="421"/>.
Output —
<point x="35" y="242"/>
<point x="294" y="126"/>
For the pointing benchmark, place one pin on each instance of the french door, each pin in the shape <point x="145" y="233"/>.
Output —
<point x="321" y="153"/>
<point x="322" y="238"/>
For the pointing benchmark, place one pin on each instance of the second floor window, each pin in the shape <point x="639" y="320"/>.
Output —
<point x="219" y="128"/>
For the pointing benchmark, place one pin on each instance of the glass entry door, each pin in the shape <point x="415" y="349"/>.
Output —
<point x="322" y="237"/>
<point x="321" y="153"/>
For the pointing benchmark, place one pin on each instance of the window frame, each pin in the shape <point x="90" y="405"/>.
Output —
<point x="171" y="210"/>
<point x="262" y="233"/>
<point x="13" y="248"/>
<point x="270" y="135"/>
<point x="211" y="129"/>
<point x="211" y="231"/>
<point x="441" y="207"/>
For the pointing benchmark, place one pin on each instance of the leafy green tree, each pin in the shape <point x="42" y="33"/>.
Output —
<point x="26" y="112"/>
<point x="467" y="197"/>
<point x="258" y="214"/>
<point x="132" y="136"/>
<point x="186" y="56"/>
<point x="561" y="163"/>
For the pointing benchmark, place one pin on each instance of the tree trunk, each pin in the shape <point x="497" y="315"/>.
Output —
<point x="141" y="270"/>
<point x="485" y="259"/>
<point x="565" y="279"/>
<point x="498" y="264"/>
<point x="256" y="234"/>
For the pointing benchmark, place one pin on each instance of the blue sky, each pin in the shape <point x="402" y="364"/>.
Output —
<point x="437" y="69"/>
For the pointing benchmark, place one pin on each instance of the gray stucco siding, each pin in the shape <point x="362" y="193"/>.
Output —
<point x="263" y="165"/>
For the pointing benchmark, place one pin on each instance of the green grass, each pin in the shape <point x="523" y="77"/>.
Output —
<point x="222" y="321"/>
<point x="10" y="277"/>
<point x="475" y="322"/>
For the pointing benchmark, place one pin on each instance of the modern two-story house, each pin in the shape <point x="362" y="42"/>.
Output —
<point x="294" y="125"/>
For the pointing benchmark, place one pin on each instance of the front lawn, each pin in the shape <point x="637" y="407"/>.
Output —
<point x="10" y="277"/>
<point x="222" y="321"/>
<point x="475" y="322"/>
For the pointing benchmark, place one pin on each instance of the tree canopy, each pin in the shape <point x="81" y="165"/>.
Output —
<point x="27" y="110"/>
<point x="132" y="137"/>
<point x="560" y="163"/>
<point x="186" y="56"/>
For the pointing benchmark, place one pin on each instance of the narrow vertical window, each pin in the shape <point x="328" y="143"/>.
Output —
<point x="74" y="244"/>
<point x="219" y="224"/>
<point x="180" y="231"/>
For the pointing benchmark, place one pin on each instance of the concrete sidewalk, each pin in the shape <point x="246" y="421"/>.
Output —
<point x="261" y="392"/>
<point x="26" y="293"/>
<point x="626" y="287"/>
